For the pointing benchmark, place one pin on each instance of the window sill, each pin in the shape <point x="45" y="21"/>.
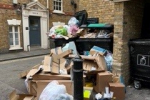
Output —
<point x="58" y="12"/>
<point x="15" y="48"/>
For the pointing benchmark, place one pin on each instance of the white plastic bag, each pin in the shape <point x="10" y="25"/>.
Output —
<point x="52" y="91"/>
<point x="73" y="21"/>
<point x="52" y="31"/>
<point x="64" y="97"/>
<point x="109" y="61"/>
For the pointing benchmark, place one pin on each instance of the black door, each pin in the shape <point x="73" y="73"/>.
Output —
<point x="35" y="31"/>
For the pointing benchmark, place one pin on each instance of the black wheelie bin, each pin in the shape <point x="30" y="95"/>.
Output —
<point x="85" y="44"/>
<point x="139" y="50"/>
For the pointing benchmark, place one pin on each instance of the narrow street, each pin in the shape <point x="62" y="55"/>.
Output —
<point x="9" y="75"/>
<point x="9" y="79"/>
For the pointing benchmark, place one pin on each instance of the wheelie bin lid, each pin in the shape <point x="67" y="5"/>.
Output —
<point x="139" y="42"/>
<point x="100" y="25"/>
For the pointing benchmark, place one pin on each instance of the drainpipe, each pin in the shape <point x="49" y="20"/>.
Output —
<point x="48" y="12"/>
<point x="28" y="47"/>
<point x="47" y="4"/>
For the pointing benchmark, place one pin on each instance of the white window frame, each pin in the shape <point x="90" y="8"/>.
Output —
<point x="13" y="23"/>
<point x="58" y="11"/>
<point x="14" y="46"/>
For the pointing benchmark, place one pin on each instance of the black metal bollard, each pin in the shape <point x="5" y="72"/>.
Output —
<point x="78" y="78"/>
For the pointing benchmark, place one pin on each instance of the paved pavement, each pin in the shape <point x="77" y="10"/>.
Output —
<point x="9" y="79"/>
<point x="9" y="75"/>
<point x="23" y="54"/>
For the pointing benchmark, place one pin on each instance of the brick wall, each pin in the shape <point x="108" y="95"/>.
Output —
<point x="128" y="24"/>
<point x="8" y="12"/>
<point x="127" y="20"/>
<point x="104" y="10"/>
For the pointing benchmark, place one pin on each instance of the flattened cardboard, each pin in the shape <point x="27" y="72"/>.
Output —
<point x="55" y="68"/>
<point x="62" y="63"/>
<point x="42" y="76"/>
<point x="64" y="54"/>
<point x="47" y="64"/>
<point x="53" y="51"/>
<point x="118" y="89"/>
<point x="24" y="73"/>
<point x="59" y="50"/>
<point x="36" y="66"/>
<point x="15" y="96"/>
<point x="101" y="62"/>
<point x="55" y="58"/>
<point x="103" y="79"/>
<point x="29" y="98"/>
<point x="32" y="72"/>
<point x="41" y="84"/>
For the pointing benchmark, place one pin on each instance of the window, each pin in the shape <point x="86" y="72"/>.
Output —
<point x="58" y="6"/>
<point x="14" y="36"/>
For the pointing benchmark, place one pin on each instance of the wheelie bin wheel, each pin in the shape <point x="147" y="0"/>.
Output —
<point x="137" y="85"/>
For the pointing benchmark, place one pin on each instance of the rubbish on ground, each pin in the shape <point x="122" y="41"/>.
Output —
<point x="97" y="66"/>
<point x="58" y="66"/>
<point x="97" y="49"/>
<point x="118" y="89"/>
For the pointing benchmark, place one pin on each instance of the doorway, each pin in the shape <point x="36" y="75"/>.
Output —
<point x="34" y="31"/>
<point x="146" y="21"/>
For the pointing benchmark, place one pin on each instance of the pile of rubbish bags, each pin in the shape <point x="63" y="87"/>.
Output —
<point x="59" y="31"/>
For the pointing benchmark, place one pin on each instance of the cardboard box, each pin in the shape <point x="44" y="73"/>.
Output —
<point x="47" y="64"/>
<point x="116" y="79"/>
<point x="100" y="60"/>
<point x="32" y="88"/>
<point x="102" y="80"/>
<point x="42" y="76"/>
<point x="15" y="96"/>
<point x="118" y="89"/>
<point x="41" y="84"/>
<point x="96" y="49"/>
<point x="64" y="54"/>
<point x="89" y="65"/>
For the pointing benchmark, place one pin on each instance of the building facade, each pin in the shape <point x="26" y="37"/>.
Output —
<point x="24" y="23"/>
<point x="127" y="17"/>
